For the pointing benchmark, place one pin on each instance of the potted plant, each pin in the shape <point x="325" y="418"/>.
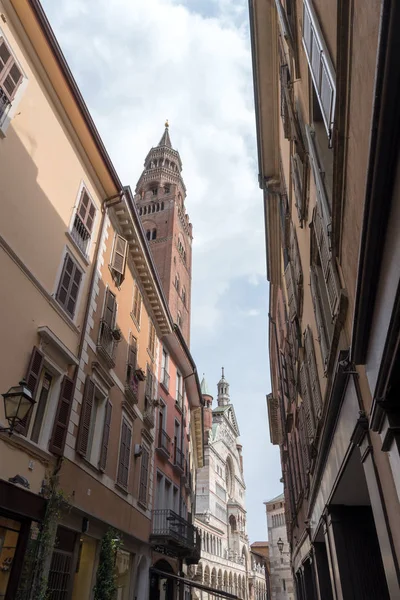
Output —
<point x="140" y="374"/>
<point x="117" y="333"/>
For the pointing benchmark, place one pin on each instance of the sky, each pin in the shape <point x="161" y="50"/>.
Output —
<point x="138" y="63"/>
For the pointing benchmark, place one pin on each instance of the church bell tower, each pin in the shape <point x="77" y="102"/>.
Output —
<point x="160" y="198"/>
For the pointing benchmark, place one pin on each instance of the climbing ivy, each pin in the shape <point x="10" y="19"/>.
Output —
<point x="105" y="588"/>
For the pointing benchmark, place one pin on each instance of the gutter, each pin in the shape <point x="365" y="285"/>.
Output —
<point x="255" y="89"/>
<point x="383" y="155"/>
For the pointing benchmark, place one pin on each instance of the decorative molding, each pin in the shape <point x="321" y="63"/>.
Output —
<point x="103" y="375"/>
<point x="49" y="337"/>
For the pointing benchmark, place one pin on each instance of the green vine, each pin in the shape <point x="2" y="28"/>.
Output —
<point x="33" y="583"/>
<point x="105" y="588"/>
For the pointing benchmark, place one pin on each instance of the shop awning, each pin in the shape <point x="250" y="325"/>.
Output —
<point x="195" y="585"/>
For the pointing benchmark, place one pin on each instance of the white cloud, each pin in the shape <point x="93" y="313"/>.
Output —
<point x="138" y="63"/>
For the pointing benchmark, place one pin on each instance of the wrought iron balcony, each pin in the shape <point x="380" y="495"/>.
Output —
<point x="175" y="535"/>
<point x="4" y="103"/>
<point x="106" y="344"/>
<point x="179" y="399"/>
<point x="80" y="234"/>
<point x="179" y="458"/>
<point x="165" y="379"/>
<point x="164" y="443"/>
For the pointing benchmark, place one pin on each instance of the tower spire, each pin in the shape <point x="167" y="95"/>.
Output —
<point x="165" y="139"/>
<point x="223" y="391"/>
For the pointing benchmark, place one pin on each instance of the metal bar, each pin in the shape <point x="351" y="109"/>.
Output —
<point x="195" y="584"/>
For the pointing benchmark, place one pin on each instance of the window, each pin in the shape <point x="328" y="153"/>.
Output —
<point x="149" y="390"/>
<point x="221" y="493"/>
<point x="137" y="305"/>
<point x="309" y="387"/>
<point x="179" y="390"/>
<point x="164" y="370"/>
<point x="132" y="383"/>
<point x="82" y="226"/>
<point x="118" y="259"/>
<point x="178" y="454"/>
<point x="124" y="454"/>
<point x="10" y="77"/>
<point x="152" y="340"/>
<point x="154" y="234"/>
<point x="299" y="185"/>
<point x="154" y="191"/>
<point x="184" y="295"/>
<point x="179" y="319"/>
<point x="90" y="443"/>
<point x="43" y="396"/>
<point x="177" y="283"/>
<point x="144" y="474"/>
<point x="321" y="67"/>
<point x="167" y="189"/>
<point x="68" y="287"/>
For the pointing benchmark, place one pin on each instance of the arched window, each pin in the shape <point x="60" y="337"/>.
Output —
<point x="154" y="191"/>
<point x="232" y="523"/>
<point x="167" y="189"/>
<point x="179" y="320"/>
<point x="148" y="234"/>
<point x="158" y="206"/>
<point x="162" y="205"/>
<point x="184" y="295"/>
<point x="177" y="282"/>
<point x="154" y="234"/>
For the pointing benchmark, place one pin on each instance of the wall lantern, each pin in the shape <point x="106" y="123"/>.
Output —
<point x="18" y="401"/>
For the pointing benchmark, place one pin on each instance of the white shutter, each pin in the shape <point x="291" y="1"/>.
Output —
<point x="315" y="389"/>
<point x="318" y="175"/>
<point x="321" y="67"/>
<point x="328" y="269"/>
<point x="119" y="254"/>
<point x="317" y="303"/>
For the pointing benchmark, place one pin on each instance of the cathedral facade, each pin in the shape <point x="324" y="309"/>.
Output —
<point x="227" y="563"/>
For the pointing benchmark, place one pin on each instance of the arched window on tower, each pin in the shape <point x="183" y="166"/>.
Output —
<point x="154" y="234"/>
<point x="162" y="205"/>
<point x="184" y="295"/>
<point x="167" y="189"/>
<point x="177" y="282"/>
<point x="154" y="191"/>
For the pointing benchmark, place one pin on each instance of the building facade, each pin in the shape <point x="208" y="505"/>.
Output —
<point x="226" y="561"/>
<point x="280" y="571"/>
<point x="323" y="78"/>
<point x="88" y="324"/>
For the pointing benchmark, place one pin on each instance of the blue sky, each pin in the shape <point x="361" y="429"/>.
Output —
<point x="138" y="63"/>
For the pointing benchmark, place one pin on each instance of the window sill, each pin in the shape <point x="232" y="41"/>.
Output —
<point x="84" y="257"/>
<point x="142" y="505"/>
<point x="33" y="449"/>
<point x="91" y="466"/>
<point x="178" y="407"/>
<point x="121" y="488"/>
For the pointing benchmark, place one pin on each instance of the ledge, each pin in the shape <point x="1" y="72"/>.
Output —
<point x="50" y="337"/>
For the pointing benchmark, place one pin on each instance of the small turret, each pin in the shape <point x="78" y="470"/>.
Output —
<point x="223" y="391"/>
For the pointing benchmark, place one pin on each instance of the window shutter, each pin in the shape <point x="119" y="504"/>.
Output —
<point x="318" y="174"/>
<point x="106" y="437"/>
<point x="152" y="339"/>
<point x="304" y="446"/>
<point x="68" y="288"/>
<point x="149" y="384"/>
<point x="328" y="269"/>
<point x="32" y="378"/>
<point x="110" y="309"/>
<point x="118" y="259"/>
<point x="132" y="357"/>
<point x="305" y="393"/>
<point x="60" y="427"/>
<point x="284" y="80"/>
<point x="317" y="303"/>
<point x="144" y="475"/>
<point x="313" y="373"/>
<point x="295" y="256"/>
<point x="291" y="289"/>
<point x="86" y="211"/>
<point x="124" y="454"/>
<point x="321" y="67"/>
<point x="85" y="418"/>
<point x="298" y="183"/>
<point x="137" y="304"/>
<point x="10" y="75"/>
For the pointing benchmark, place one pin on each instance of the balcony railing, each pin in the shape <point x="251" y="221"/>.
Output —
<point x="80" y="234"/>
<point x="106" y="344"/>
<point x="164" y="442"/>
<point x="179" y="458"/>
<point x="148" y="415"/>
<point x="179" y="399"/>
<point x="175" y="533"/>
<point x="165" y="379"/>
<point x="4" y="103"/>
<point x="132" y="385"/>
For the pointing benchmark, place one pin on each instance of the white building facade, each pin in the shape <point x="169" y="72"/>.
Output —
<point x="227" y="564"/>
<point x="281" y="580"/>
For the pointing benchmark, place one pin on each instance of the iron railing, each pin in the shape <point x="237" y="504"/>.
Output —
<point x="149" y="414"/>
<point x="179" y="458"/>
<point x="179" y="399"/>
<point x="165" y="378"/>
<point x="4" y="103"/>
<point x="164" y="441"/>
<point x="80" y="234"/>
<point x="168" y="524"/>
<point x="132" y="384"/>
<point x="106" y="343"/>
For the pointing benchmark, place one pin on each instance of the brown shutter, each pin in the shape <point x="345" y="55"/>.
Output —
<point x="144" y="475"/>
<point x="68" y="288"/>
<point x="305" y="450"/>
<point x="149" y="384"/>
<point x="119" y="255"/>
<point x="32" y="378"/>
<point x="106" y="437"/>
<point x="86" y="211"/>
<point x="313" y="373"/>
<point x="60" y="427"/>
<point x="295" y="255"/>
<point x="10" y="75"/>
<point x="85" y="418"/>
<point x="124" y="454"/>
<point x="328" y="266"/>
<point x="297" y="168"/>
<point x="319" y="318"/>
<point x="305" y="393"/>
<point x="291" y="289"/>
<point x="110" y="309"/>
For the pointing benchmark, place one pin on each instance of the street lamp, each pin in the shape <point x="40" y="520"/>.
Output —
<point x="279" y="543"/>
<point x="18" y="401"/>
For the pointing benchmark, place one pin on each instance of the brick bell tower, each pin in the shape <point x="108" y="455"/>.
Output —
<point x="160" y="198"/>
